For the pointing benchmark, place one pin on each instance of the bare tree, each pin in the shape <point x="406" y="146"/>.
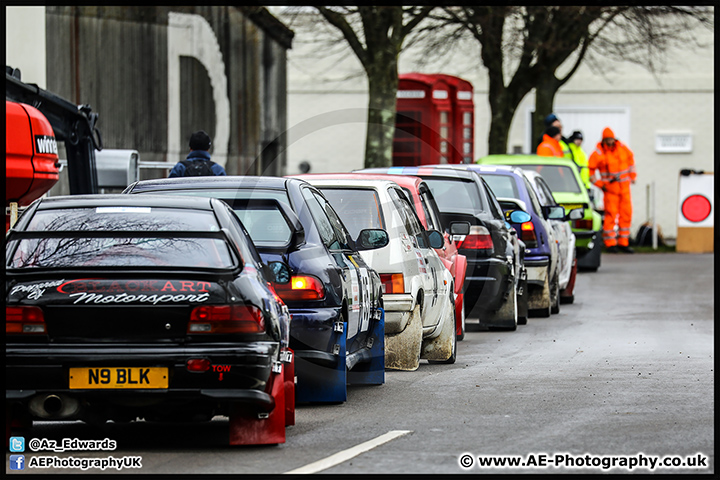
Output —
<point x="376" y="36"/>
<point x="523" y="48"/>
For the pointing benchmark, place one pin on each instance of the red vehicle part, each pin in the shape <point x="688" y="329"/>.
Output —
<point x="249" y="429"/>
<point x="31" y="161"/>
<point x="567" y="295"/>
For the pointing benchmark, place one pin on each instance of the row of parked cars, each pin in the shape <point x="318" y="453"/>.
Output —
<point x="187" y="298"/>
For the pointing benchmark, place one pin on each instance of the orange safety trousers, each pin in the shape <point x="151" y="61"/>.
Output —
<point x="618" y="209"/>
<point x="616" y="168"/>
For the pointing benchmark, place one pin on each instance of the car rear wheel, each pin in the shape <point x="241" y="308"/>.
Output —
<point x="447" y="333"/>
<point x="506" y="318"/>
<point x="543" y="311"/>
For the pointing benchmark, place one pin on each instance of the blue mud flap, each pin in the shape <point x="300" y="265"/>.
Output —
<point x="372" y="372"/>
<point x="319" y="382"/>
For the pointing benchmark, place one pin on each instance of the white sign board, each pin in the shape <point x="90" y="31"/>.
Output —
<point x="673" y="142"/>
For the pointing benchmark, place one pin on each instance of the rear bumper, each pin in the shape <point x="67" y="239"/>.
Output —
<point x="314" y="334"/>
<point x="537" y="268"/>
<point x="486" y="283"/>
<point x="237" y="374"/>
<point x="398" y="307"/>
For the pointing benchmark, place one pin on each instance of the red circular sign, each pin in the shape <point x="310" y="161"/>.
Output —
<point x="696" y="208"/>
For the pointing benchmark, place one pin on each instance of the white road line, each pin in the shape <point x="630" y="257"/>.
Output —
<point x="345" y="455"/>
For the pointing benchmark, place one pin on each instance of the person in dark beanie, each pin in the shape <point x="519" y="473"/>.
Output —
<point x="198" y="161"/>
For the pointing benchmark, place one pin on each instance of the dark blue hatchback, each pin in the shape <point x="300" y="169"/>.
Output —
<point x="337" y="328"/>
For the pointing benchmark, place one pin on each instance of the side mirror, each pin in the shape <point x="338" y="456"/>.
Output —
<point x="436" y="239"/>
<point x="576" y="214"/>
<point x="554" y="212"/>
<point x="460" y="228"/>
<point x="280" y="272"/>
<point x="372" y="238"/>
<point x="518" y="216"/>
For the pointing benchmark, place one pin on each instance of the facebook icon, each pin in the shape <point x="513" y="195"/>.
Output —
<point x="17" y="462"/>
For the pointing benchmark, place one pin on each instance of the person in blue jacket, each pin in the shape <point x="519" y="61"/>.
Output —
<point x="198" y="162"/>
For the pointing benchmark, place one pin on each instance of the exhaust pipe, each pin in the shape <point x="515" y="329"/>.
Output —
<point x="53" y="406"/>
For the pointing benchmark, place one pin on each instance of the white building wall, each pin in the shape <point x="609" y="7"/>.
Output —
<point x="325" y="84"/>
<point x="25" y="43"/>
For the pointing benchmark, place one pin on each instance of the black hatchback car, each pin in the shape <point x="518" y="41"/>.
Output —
<point x="494" y="259"/>
<point x="122" y="307"/>
<point x="337" y="330"/>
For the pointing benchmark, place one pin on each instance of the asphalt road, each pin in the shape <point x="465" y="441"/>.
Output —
<point x="625" y="374"/>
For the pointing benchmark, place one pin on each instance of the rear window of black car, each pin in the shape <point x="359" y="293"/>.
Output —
<point x="79" y="237"/>
<point x="502" y="185"/>
<point x="453" y="194"/>
<point x="266" y="225"/>
<point x="358" y="208"/>
<point x="558" y="177"/>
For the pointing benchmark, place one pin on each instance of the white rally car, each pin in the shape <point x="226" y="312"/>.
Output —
<point x="418" y="296"/>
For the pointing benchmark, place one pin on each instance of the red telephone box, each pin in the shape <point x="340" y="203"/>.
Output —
<point x="435" y="120"/>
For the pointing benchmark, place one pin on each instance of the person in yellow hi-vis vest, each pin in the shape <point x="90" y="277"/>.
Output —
<point x="614" y="163"/>
<point x="578" y="154"/>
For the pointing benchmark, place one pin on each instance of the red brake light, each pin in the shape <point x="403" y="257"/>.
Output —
<point x="583" y="224"/>
<point x="527" y="234"/>
<point x="226" y="319"/>
<point x="478" y="239"/>
<point x="301" y="287"/>
<point x="392" y="282"/>
<point x="24" y="320"/>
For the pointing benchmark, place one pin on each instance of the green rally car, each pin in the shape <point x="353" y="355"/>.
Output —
<point x="563" y="178"/>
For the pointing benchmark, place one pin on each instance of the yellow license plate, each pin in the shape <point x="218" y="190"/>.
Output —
<point x="119" y="377"/>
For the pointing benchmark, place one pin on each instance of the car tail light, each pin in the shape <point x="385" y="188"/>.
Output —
<point x="527" y="234"/>
<point x="226" y="319"/>
<point x="392" y="282"/>
<point x="198" y="365"/>
<point x="478" y="239"/>
<point x="583" y="224"/>
<point x="301" y="287"/>
<point x="24" y="321"/>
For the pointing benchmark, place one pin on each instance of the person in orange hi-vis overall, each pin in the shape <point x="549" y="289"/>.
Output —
<point x="550" y="146"/>
<point x="613" y="162"/>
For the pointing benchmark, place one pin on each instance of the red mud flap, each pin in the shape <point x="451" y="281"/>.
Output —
<point x="248" y="429"/>
<point x="289" y="380"/>
<point x="458" y="315"/>
<point x="13" y="421"/>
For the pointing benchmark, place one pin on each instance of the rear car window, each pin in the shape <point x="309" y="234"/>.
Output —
<point x="79" y="238"/>
<point x="453" y="193"/>
<point x="559" y="178"/>
<point x="266" y="225"/>
<point x="358" y="208"/>
<point x="502" y="185"/>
